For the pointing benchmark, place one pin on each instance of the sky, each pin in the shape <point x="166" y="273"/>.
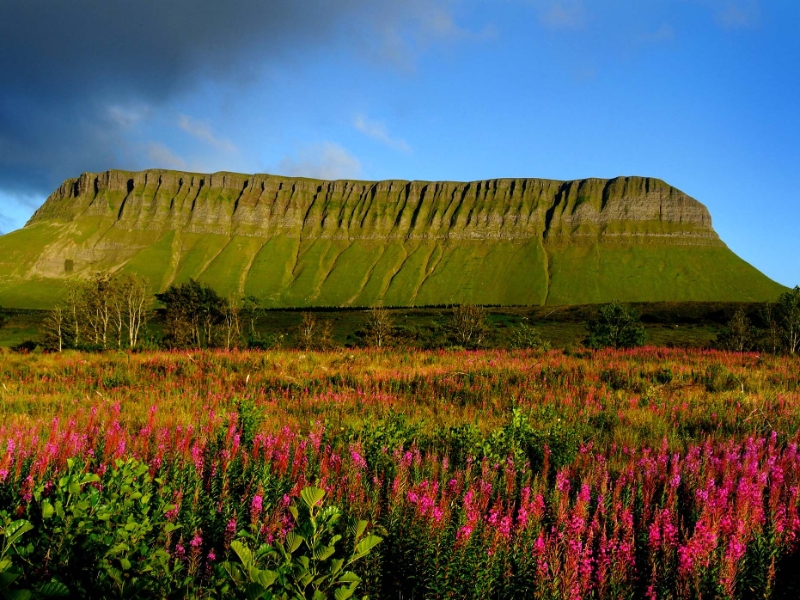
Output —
<point x="703" y="94"/>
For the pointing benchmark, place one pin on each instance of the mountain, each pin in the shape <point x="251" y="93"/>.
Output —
<point x="304" y="242"/>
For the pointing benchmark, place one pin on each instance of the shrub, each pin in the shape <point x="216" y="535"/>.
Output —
<point x="309" y="563"/>
<point x="467" y="326"/>
<point x="740" y="336"/>
<point x="525" y="336"/>
<point x="616" y="326"/>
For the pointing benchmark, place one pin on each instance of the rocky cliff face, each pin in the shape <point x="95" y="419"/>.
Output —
<point x="265" y="205"/>
<point x="303" y="242"/>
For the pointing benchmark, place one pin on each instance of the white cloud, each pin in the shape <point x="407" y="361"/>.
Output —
<point x="162" y="157"/>
<point x="408" y="28"/>
<point x="664" y="33"/>
<point x="325" y="160"/>
<point x="562" y="14"/>
<point x="125" y="117"/>
<point x="202" y="131"/>
<point x="740" y="14"/>
<point x="377" y="131"/>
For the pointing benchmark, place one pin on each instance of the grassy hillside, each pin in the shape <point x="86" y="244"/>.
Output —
<point x="303" y="243"/>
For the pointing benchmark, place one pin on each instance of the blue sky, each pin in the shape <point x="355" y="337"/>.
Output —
<point x="701" y="93"/>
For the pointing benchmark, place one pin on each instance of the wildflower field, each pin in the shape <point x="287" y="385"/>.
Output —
<point x="645" y="473"/>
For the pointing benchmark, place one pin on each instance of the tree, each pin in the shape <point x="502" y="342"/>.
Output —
<point x="108" y="308"/>
<point x="788" y="312"/>
<point x="616" y="326"/>
<point x="233" y="331"/>
<point x="75" y="310"/>
<point x="740" y="334"/>
<point x="192" y="314"/>
<point x="54" y="329"/>
<point x="379" y="327"/>
<point x="97" y="300"/>
<point x="249" y="314"/>
<point x="468" y="326"/>
<point x="771" y="336"/>
<point x="313" y="334"/>
<point x="2" y="317"/>
<point x="136" y="302"/>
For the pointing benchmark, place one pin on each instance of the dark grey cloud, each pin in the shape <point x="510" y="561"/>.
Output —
<point x="76" y="76"/>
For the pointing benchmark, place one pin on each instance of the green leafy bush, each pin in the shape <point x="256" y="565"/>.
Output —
<point x="104" y="540"/>
<point x="308" y="564"/>
<point x="616" y="326"/>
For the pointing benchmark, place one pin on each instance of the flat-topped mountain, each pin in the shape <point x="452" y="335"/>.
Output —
<point x="304" y="242"/>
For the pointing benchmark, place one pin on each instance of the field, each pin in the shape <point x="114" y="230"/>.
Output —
<point x="649" y="473"/>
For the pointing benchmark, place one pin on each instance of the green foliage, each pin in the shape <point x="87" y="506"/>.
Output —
<point x="740" y="336"/>
<point x="395" y="430"/>
<point x="719" y="378"/>
<point x="249" y="422"/>
<point x="788" y="311"/>
<point x="105" y="541"/>
<point x="525" y="337"/>
<point x="468" y="327"/>
<point x="309" y="563"/>
<point x="192" y="311"/>
<point x="616" y="326"/>
<point x="539" y="437"/>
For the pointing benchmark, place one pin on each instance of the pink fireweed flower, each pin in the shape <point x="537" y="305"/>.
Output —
<point x="562" y="482"/>
<point x="358" y="460"/>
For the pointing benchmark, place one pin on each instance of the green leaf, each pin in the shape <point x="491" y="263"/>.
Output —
<point x="243" y="552"/>
<point x="19" y="595"/>
<point x="47" y="510"/>
<point x="336" y="566"/>
<point x="117" y="549"/>
<point x="266" y="578"/>
<point x="7" y="577"/>
<point x="361" y="526"/>
<point x="312" y="496"/>
<point x="293" y="541"/>
<point x="324" y="553"/>
<point x="364" y="546"/>
<point x="254" y="591"/>
<point x="125" y="564"/>
<point x="53" y="589"/>
<point x="16" y="530"/>
<point x="349" y="577"/>
<point x="343" y="593"/>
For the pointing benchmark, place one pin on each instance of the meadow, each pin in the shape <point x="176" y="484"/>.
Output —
<point x="644" y="473"/>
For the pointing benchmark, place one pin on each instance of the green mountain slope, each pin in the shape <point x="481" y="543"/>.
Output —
<point x="302" y="242"/>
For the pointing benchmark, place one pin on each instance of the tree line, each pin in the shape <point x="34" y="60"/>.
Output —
<point x="106" y="311"/>
<point x="775" y="329"/>
<point x="112" y="311"/>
